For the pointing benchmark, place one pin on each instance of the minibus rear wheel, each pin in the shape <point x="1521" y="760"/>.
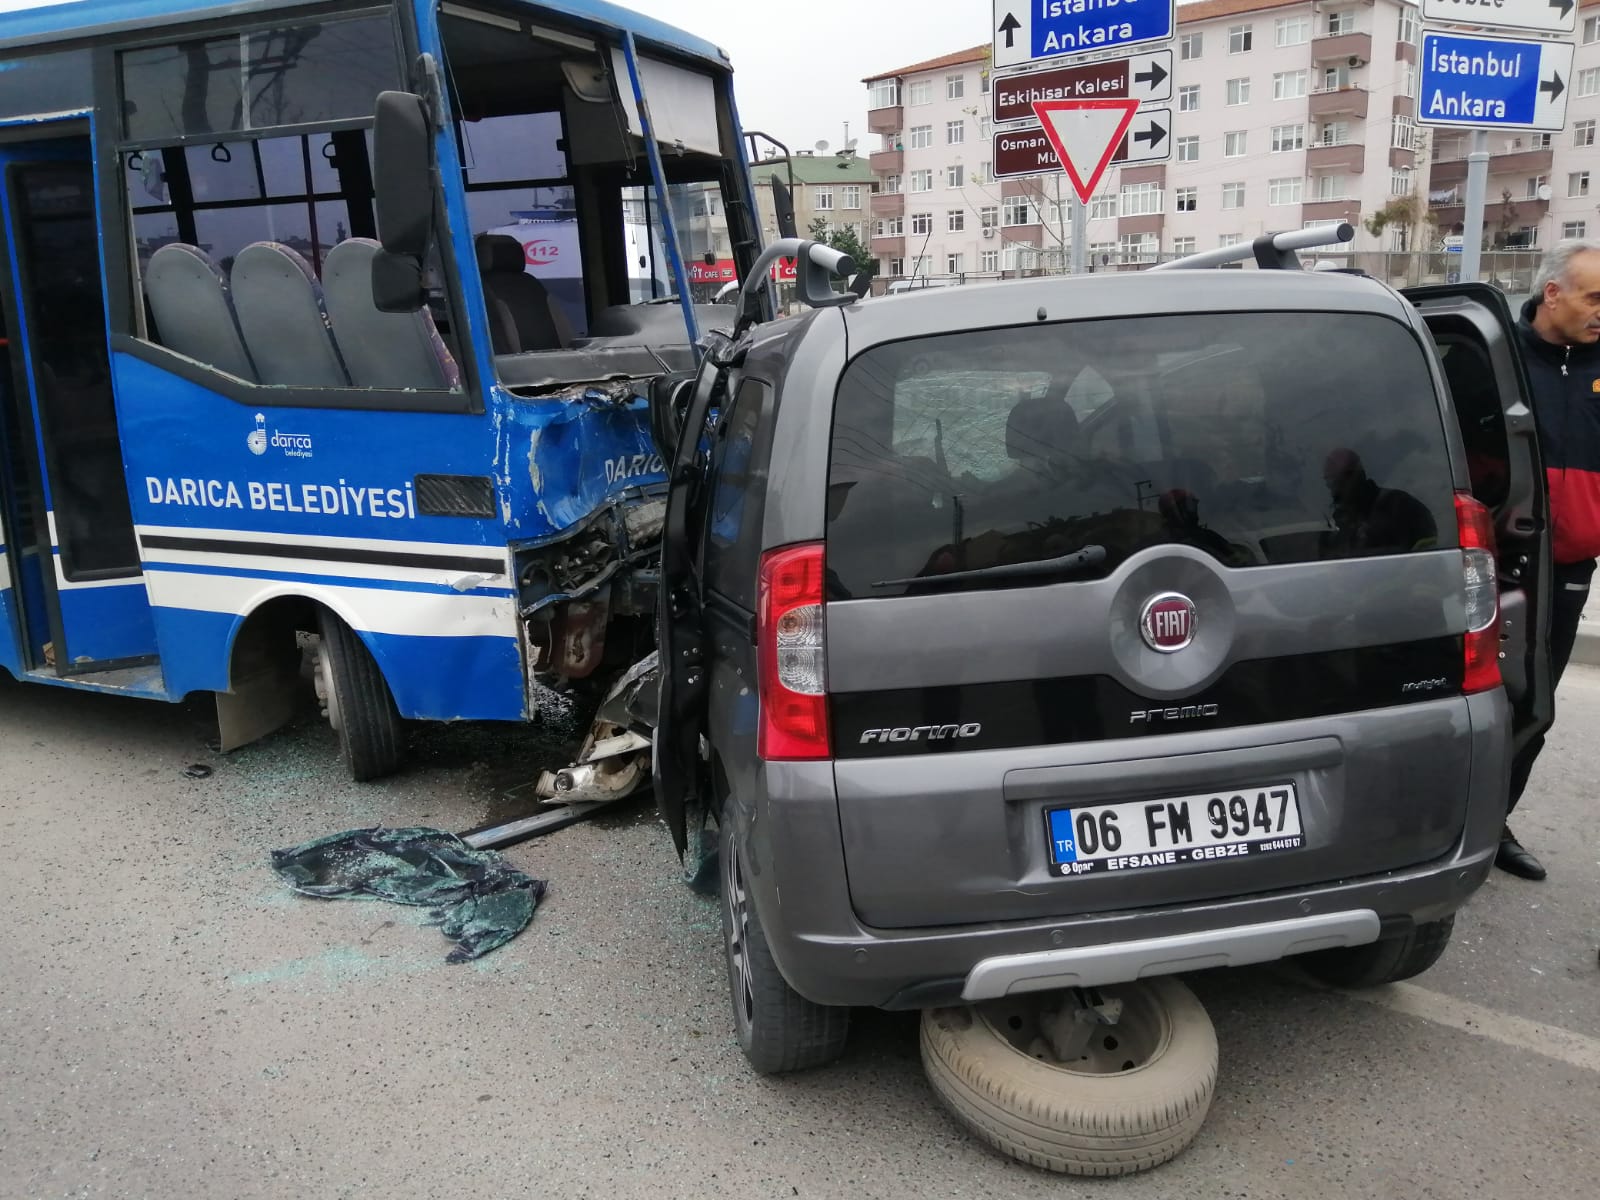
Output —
<point x="358" y="702"/>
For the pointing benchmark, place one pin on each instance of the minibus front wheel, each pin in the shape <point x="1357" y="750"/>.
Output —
<point x="357" y="702"/>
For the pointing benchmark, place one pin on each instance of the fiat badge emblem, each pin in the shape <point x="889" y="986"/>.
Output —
<point x="1167" y="622"/>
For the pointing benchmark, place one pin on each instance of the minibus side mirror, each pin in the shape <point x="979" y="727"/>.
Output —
<point x="404" y="185"/>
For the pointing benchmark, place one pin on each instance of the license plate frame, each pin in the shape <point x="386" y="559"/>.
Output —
<point x="1077" y="836"/>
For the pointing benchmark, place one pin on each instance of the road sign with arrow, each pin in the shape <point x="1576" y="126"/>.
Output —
<point x="1541" y="16"/>
<point x="1142" y="77"/>
<point x="1028" y="30"/>
<point x="1499" y="83"/>
<point x="1083" y="137"/>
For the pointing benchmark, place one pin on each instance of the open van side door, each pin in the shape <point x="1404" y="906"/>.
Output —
<point x="1475" y="333"/>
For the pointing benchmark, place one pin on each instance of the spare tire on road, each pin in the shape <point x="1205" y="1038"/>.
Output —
<point x="1134" y="1097"/>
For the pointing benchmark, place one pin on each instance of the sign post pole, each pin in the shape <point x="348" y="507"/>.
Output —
<point x="1472" y="216"/>
<point x="1080" y="236"/>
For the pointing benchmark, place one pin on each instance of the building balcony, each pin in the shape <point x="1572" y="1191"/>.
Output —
<point x="1140" y="225"/>
<point x="1342" y="47"/>
<point x="889" y="247"/>
<point x="1348" y="157"/>
<point x="888" y="204"/>
<point x="1339" y="102"/>
<point x="1317" y="211"/>
<point x="1401" y="159"/>
<point x="1451" y="171"/>
<point x="1024" y="235"/>
<point x="1032" y="188"/>
<point x="887" y="162"/>
<point x="1450" y="213"/>
<point x="886" y="120"/>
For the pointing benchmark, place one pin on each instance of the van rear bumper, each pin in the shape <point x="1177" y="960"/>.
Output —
<point x="794" y="848"/>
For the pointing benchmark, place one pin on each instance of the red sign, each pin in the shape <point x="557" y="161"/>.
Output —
<point x="724" y="271"/>
<point x="1085" y="134"/>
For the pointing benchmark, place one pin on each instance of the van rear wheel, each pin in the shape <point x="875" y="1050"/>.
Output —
<point x="778" y="1028"/>
<point x="1387" y="960"/>
<point x="1027" y="1077"/>
<point x="358" y="702"/>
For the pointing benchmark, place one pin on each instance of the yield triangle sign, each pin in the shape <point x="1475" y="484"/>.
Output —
<point x="1085" y="134"/>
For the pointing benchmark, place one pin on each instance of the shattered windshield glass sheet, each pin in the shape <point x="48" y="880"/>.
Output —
<point x="477" y="899"/>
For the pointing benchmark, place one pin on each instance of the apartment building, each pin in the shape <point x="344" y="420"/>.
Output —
<point x="834" y="186"/>
<point x="1284" y="114"/>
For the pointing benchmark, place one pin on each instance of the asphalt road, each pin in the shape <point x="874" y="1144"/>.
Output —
<point x="173" y="1023"/>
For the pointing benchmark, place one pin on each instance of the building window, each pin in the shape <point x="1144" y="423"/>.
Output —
<point x="1403" y="133"/>
<point x="1531" y="186"/>
<point x="1289" y="85"/>
<point x="1103" y="207"/>
<point x="1233" y="195"/>
<point x="1284" y="191"/>
<point x="897" y="266"/>
<point x="1292" y="31"/>
<point x="983" y="82"/>
<point x="1329" y="187"/>
<point x="1189" y="98"/>
<point x="1238" y="91"/>
<point x="955" y="87"/>
<point x="1137" y="247"/>
<point x="892" y="227"/>
<point x="1233" y="144"/>
<point x="952" y="264"/>
<point x="1229" y="239"/>
<point x="921" y="223"/>
<point x="1400" y="181"/>
<point x="884" y="93"/>
<point x="1583" y="133"/>
<point x="822" y="199"/>
<point x="1408" y="25"/>
<point x="1578" y="183"/>
<point x="1591" y="30"/>
<point x="1190" y="45"/>
<point x="1408" y="81"/>
<point x="920" y="92"/>
<point x="1589" y="82"/>
<point x="1335" y="79"/>
<point x="1343" y="21"/>
<point x="1541" y="141"/>
<point x="1334" y="133"/>
<point x="955" y="221"/>
<point x="985" y="172"/>
<point x="1186" y="199"/>
<point x="1140" y="199"/>
<point x="852" y="197"/>
<point x="1017" y="211"/>
<point x="1239" y="39"/>
<point x="1182" y="246"/>
<point x="1288" y="137"/>
<point x="988" y="217"/>
<point x="955" y="132"/>
<point x="1574" y="229"/>
<point x="985" y="128"/>
<point x="955" y="176"/>
<point x="989" y="260"/>
<point x="922" y="181"/>
<point x="1189" y="149"/>
<point x="921" y="137"/>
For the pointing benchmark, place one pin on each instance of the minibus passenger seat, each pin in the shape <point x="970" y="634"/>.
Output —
<point x="194" y="317"/>
<point x="519" y="305"/>
<point x="279" y="304"/>
<point x="383" y="350"/>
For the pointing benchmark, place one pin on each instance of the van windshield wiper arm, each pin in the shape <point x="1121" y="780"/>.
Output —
<point x="1088" y="556"/>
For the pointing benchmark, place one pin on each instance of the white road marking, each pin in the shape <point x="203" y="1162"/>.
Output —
<point x="1574" y="1049"/>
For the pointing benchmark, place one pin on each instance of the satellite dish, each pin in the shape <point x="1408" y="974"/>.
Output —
<point x="822" y="145"/>
<point x="1545" y="191"/>
<point x="851" y="144"/>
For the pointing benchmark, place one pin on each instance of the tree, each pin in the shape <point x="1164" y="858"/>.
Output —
<point x="845" y="241"/>
<point x="1404" y="213"/>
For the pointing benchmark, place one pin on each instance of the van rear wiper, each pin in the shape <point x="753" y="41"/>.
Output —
<point x="1088" y="556"/>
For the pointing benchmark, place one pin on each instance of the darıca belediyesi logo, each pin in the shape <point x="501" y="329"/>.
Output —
<point x="293" y="445"/>
<point x="257" y="441"/>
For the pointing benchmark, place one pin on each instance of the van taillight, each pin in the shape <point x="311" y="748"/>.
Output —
<point x="1482" y="591"/>
<point x="791" y="655"/>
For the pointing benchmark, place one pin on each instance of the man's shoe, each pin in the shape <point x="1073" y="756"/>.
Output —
<point x="1513" y="858"/>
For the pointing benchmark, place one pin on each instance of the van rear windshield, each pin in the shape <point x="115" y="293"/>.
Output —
<point x="1258" y="438"/>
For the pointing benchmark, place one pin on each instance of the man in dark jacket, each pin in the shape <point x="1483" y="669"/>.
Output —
<point x="1560" y="330"/>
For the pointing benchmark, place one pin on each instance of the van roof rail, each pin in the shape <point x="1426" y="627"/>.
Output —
<point x="1272" y="251"/>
